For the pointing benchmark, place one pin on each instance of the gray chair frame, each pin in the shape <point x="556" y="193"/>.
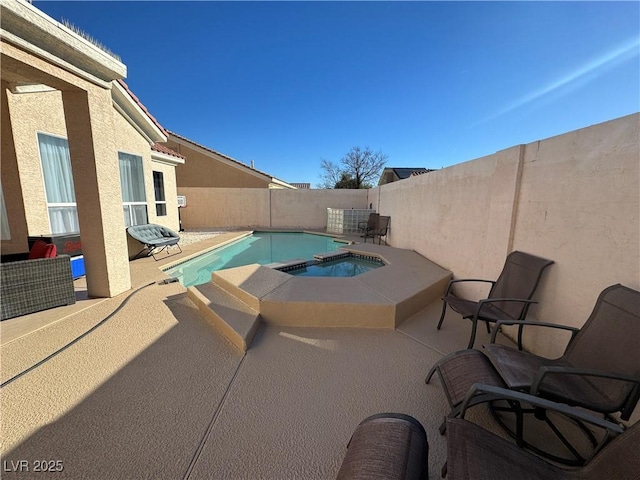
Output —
<point x="369" y="226"/>
<point x="381" y="229"/>
<point x="573" y="364"/>
<point x="509" y="297"/>
<point x="598" y="371"/>
<point x="474" y="453"/>
<point x="162" y="239"/>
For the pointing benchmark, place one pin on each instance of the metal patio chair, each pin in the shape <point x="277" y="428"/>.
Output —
<point x="474" y="453"/>
<point x="369" y="226"/>
<point x="509" y="297"/>
<point x="600" y="368"/>
<point x="380" y="229"/>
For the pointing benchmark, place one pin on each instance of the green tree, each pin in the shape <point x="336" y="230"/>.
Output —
<point x="359" y="168"/>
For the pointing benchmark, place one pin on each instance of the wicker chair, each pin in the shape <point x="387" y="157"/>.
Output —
<point x="474" y="453"/>
<point x="30" y="286"/>
<point x="509" y="297"/>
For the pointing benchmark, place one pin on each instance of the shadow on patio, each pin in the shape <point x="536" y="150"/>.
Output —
<point x="154" y="392"/>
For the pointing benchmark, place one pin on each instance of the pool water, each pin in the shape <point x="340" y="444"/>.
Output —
<point x="347" y="267"/>
<point x="260" y="247"/>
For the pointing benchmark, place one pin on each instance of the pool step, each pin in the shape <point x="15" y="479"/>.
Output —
<point x="249" y="283"/>
<point x="231" y="317"/>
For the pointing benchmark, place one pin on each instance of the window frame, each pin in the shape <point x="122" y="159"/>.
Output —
<point x="163" y="201"/>
<point x="128" y="212"/>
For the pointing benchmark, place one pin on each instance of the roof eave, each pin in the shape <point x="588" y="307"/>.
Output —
<point x="137" y="117"/>
<point x="36" y="32"/>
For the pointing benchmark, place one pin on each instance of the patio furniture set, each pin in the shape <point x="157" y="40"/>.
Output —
<point x="582" y="400"/>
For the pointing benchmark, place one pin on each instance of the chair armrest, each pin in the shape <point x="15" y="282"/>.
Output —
<point x="574" y="331"/>
<point x="583" y="372"/>
<point x="484" y="301"/>
<point x="493" y="393"/>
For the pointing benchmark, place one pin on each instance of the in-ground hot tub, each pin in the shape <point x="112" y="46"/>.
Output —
<point x="338" y="264"/>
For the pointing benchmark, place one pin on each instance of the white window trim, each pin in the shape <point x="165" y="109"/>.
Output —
<point x="160" y="202"/>
<point x="145" y="203"/>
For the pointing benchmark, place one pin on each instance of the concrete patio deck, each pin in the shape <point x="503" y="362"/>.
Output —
<point x="155" y="392"/>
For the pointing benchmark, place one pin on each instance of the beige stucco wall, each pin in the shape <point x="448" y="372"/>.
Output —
<point x="308" y="208"/>
<point x="207" y="169"/>
<point x="128" y="140"/>
<point x="171" y="195"/>
<point x="26" y="124"/>
<point x="579" y="205"/>
<point x="50" y="120"/>
<point x="11" y="187"/>
<point x="251" y="207"/>
<point x="574" y="199"/>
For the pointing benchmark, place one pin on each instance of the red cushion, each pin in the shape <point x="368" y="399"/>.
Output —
<point x="41" y="249"/>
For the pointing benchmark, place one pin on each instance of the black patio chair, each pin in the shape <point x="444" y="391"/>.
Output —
<point x="369" y="226"/>
<point x="509" y="297"/>
<point x="600" y="368"/>
<point x="380" y="229"/>
<point x="474" y="453"/>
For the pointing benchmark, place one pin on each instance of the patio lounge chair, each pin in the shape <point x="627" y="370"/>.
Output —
<point x="369" y="226"/>
<point x="387" y="446"/>
<point x="509" y="297"/>
<point x="155" y="239"/>
<point x="474" y="453"/>
<point x="380" y="230"/>
<point x="600" y="368"/>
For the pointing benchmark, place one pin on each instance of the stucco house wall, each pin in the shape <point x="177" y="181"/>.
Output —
<point x="88" y="108"/>
<point x="26" y="125"/>
<point x="34" y="113"/>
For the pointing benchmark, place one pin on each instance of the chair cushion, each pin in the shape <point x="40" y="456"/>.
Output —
<point x="42" y="249"/>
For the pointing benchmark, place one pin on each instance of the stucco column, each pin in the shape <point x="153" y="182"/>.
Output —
<point x="11" y="187"/>
<point x="96" y="178"/>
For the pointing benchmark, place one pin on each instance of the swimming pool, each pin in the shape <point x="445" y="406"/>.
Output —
<point x="260" y="247"/>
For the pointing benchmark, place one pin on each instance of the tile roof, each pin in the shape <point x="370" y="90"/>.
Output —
<point x="158" y="147"/>
<point x="144" y="109"/>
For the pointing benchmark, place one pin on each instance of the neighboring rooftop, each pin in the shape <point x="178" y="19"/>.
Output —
<point x="233" y="161"/>
<point x="393" y="174"/>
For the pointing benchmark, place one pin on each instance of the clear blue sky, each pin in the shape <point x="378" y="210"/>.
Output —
<point x="431" y="84"/>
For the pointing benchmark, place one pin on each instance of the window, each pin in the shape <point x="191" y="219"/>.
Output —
<point x="134" y="200"/>
<point x="58" y="184"/>
<point x="158" y="187"/>
<point x="5" y="233"/>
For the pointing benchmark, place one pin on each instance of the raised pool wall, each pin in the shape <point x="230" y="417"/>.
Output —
<point x="572" y="198"/>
